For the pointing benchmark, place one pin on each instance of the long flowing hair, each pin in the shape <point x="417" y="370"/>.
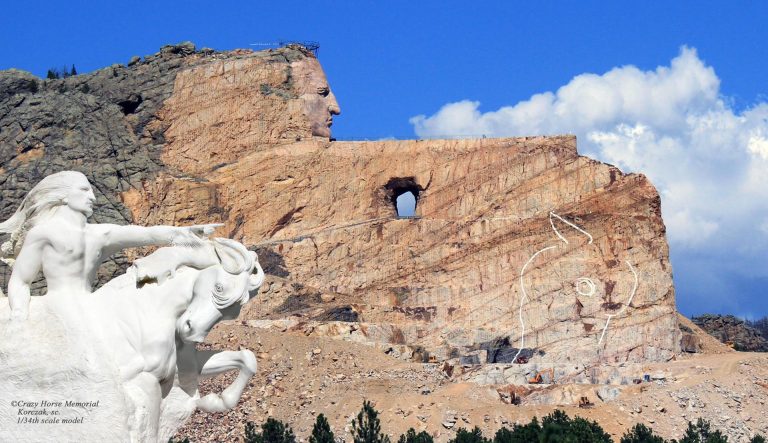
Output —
<point x="40" y="203"/>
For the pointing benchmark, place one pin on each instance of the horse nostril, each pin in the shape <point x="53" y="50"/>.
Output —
<point x="188" y="324"/>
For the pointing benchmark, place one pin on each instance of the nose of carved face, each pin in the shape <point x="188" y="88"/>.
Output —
<point x="333" y="109"/>
<point x="333" y="105"/>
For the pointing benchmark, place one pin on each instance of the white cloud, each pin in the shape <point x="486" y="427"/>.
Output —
<point x="758" y="145"/>
<point x="708" y="161"/>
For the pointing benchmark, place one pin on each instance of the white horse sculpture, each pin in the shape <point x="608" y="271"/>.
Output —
<point x="130" y="346"/>
<point x="165" y="304"/>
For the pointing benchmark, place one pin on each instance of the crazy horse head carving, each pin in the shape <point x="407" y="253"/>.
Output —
<point x="220" y="291"/>
<point x="572" y="288"/>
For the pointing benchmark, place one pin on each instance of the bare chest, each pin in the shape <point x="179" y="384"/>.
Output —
<point x="73" y="247"/>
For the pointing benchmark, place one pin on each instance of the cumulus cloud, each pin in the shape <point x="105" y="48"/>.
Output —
<point x="708" y="160"/>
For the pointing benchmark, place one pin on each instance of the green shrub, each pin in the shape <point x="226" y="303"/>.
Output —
<point x="519" y="433"/>
<point x="63" y="72"/>
<point x="272" y="431"/>
<point x="641" y="434"/>
<point x="464" y="436"/>
<point x="412" y="437"/>
<point x="321" y="431"/>
<point x="702" y="432"/>
<point x="366" y="428"/>
<point x="558" y="427"/>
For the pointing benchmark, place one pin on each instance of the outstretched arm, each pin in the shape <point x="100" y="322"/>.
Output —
<point x="25" y="269"/>
<point x="117" y="237"/>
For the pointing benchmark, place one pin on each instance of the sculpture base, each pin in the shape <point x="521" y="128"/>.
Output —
<point x="57" y="384"/>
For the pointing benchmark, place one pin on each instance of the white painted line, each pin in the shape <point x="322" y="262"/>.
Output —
<point x="522" y="300"/>
<point x="552" y="214"/>
<point x="590" y="286"/>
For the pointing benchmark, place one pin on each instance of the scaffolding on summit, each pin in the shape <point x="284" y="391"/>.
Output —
<point x="309" y="45"/>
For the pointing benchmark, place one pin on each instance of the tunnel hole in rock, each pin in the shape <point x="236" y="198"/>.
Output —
<point x="406" y="204"/>
<point x="130" y="104"/>
<point x="403" y="193"/>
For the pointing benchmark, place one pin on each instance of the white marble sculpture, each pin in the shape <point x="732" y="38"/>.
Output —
<point x="130" y="345"/>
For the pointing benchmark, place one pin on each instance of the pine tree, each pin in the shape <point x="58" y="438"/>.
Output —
<point x="702" y="432"/>
<point x="272" y="431"/>
<point x="321" y="431"/>
<point x="519" y="433"/>
<point x="73" y="71"/>
<point x="473" y="436"/>
<point x="582" y="430"/>
<point x="412" y="437"/>
<point x="641" y="434"/>
<point x="366" y="427"/>
<point x="757" y="439"/>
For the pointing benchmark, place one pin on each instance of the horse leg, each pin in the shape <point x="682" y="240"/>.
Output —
<point x="216" y="363"/>
<point x="144" y="393"/>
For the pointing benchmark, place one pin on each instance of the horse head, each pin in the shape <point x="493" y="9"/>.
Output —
<point x="220" y="291"/>
<point x="575" y="278"/>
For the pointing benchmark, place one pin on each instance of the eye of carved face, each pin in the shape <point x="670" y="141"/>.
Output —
<point x="218" y="288"/>
<point x="585" y="286"/>
<point x="324" y="91"/>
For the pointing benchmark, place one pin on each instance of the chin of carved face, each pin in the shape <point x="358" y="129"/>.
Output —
<point x="321" y="129"/>
<point x="320" y="111"/>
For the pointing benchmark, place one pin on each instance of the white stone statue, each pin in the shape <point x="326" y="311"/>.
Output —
<point x="49" y="231"/>
<point x="130" y="345"/>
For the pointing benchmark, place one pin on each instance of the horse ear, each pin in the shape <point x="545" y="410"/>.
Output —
<point x="233" y="256"/>
<point x="568" y="232"/>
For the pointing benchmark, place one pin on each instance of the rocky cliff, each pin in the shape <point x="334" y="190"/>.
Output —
<point x="108" y="124"/>
<point x="521" y="251"/>
<point x="732" y="331"/>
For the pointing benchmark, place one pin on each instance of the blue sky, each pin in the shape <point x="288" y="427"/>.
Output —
<point x="475" y="66"/>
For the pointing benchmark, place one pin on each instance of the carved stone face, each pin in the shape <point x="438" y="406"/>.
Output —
<point x="318" y="102"/>
<point x="80" y="196"/>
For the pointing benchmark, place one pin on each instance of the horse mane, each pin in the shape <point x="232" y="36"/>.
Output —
<point x="235" y="259"/>
<point x="232" y="256"/>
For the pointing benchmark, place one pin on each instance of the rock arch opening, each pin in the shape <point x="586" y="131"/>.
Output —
<point x="403" y="194"/>
<point x="405" y="204"/>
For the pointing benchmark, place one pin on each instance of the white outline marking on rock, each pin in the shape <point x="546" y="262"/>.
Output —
<point x="522" y="300"/>
<point x="552" y="214"/>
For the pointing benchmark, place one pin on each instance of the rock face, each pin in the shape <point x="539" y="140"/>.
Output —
<point x="521" y="250"/>
<point x="732" y="331"/>
<point x="107" y="124"/>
